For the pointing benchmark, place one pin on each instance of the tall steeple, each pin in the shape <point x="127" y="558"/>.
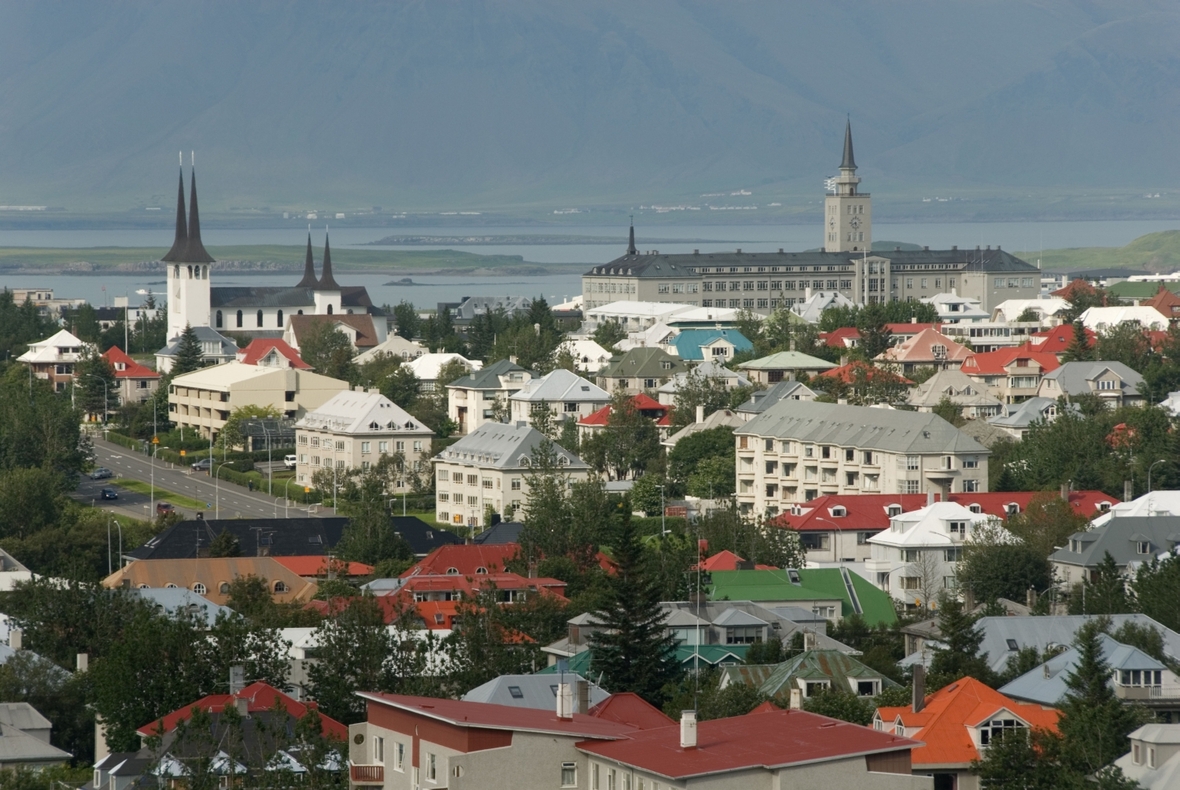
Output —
<point x="327" y="282"/>
<point x="849" y="162"/>
<point x="195" y="252"/>
<point x="309" y="280"/>
<point x="176" y="254"/>
<point x="631" y="242"/>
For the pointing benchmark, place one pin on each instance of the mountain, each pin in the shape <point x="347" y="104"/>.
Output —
<point x="534" y="102"/>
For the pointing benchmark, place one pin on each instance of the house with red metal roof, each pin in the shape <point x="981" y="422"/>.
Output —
<point x="627" y="707"/>
<point x="1058" y="339"/>
<point x="136" y="382"/>
<point x="464" y="560"/>
<point x="1011" y="375"/>
<point x="318" y="566"/>
<point x="659" y="413"/>
<point x="1167" y="302"/>
<point x="956" y="725"/>
<point x="271" y="352"/>
<point x="409" y="742"/>
<point x="255" y="698"/>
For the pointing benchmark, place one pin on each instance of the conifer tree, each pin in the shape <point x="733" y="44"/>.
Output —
<point x="960" y="656"/>
<point x="1078" y="349"/>
<point x="188" y="353"/>
<point x="633" y="651"/>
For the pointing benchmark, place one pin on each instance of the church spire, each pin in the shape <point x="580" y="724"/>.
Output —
<point x="631" y="242"/>
<point x="309" y="280"/>
<point x="176" y="254"/>
<point x="327" y="282"/>
<point x="195" y="251"/>
<point x="849" y="162"/>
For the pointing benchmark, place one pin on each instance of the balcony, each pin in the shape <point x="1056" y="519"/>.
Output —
<point x="1146" y="692"/>
<point x="366" y="774"/>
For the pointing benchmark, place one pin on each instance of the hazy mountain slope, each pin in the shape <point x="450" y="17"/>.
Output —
<point x="417" y="103"/>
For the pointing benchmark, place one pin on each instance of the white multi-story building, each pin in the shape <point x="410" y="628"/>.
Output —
<point x="473" y="399"/>
<point x="917" y="557"/>
<point x="566" y="395"/>
<point x="354" y="430"/>
<point x="490" y="466"/>
<point x="796" y="451"/>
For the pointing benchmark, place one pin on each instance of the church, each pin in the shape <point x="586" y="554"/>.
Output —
<point x="253" y="311"/>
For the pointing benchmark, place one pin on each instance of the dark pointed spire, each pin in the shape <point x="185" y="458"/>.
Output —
<point x="176" y="254"/>
<point x="849" y="162"/>
<point x="195" y="252"/>
<point x="309" y="280"/>
<point x="631" y="242"/>
<point x="327" y="282"/>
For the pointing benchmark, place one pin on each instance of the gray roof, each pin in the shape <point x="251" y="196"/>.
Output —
<point x="762" y="400"/>
<point x="955" y="385"/>
<point x="1024" y="414"/>
<point x="1121" y="537"/>
<point x="781" y="627"/>
<point x="177" y="599"/>
<point x="561" y="385"/>
<point x="495" y="445"/>
<point x="1046" y="684"/>
<point x="499" y="534"/>
<point x="23" y="716"/>
<point x="249" y="296"/>
<point x="206" y="336"/>
<point x="489" y="377"/>
<point x="849" y="161"/>
<point x="736" y="617"/>
<point x="861" y="427"/>
<point x="1074" y="377"/>
<point x="787" y="360"/>
<point x="18" y="746"/>
<point x="528" y="691"/>
<point x="1046" y="631"/>
<point x="984" y="432"/>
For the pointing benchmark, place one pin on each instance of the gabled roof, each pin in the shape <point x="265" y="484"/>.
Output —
<point x="319" y="565"/>
<point x="630" y="709"/>
<point x="23" y="716"/>
<point x="856" y="371"/>
<point x="1025" y="413"/>
<point x="261" y="347"/>
<point x="560" y="385"/>
<point x="466" y="560"/>
<point x="427" y="366"/>
<point x="1046" y="684"/>
<point x="720" y="418"/>
<point x="948" y="713"/>
<point x="831" y="665"/>
<point x="921" y="348"/>
<point x="955" y="385"/>
<point x="358" y="413"/>
<point x="495" y="445"/>
<point x="995" y="363"/>
<point x="726" y="560"/>
<point x="861" y="427"/>
<point x="765" y="740"/>
<point x="1074" y="378"/>
<point x="486" y="716"/>
<point x="213" y="343"/>
<point x="362" y="326"/>
<point x="689" y="342"/>
<point x="841" y="337"/>
<point x="639" y="363"/>
<point x="259" y="697"/>
<point x="1057" y="340"/>
<point x="814" y="584"/>
<point x="1122" y="537"/>
<point x="489" y="377"/>
<point x="18" y="746"/>
<point x="501" y="533"/>
<point x="761" y="400"/>
<point x="211" y="572"/>
<point x="787" y="360"/>
<point x="48" y="350"/>
<point x="286" y="536"/>
<point x="529" y="691"/>
<point x="126" y="367"/>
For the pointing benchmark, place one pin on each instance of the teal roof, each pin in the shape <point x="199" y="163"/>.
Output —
<point x="814" y="583"/>
<point x="712" y="655"/>
<point x="688" y="343"/>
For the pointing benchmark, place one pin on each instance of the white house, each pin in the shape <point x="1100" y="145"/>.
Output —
<point x="1100" y="319"/>
<point x="589" y="357"/>
<point x="426" y="367"/>
<point x="396" y="346"/>
<point x="566" y="395"/>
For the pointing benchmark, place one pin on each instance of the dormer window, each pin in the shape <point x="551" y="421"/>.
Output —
<point x="1143" y="547"/>
<point x="1011" y="508"/>
<point x="839" y="511"/>
<point x="996" y="729"/>
<point x="893" y="511"/>
<point x="975" y="508"/>
<point x="957" y="528"/>
<point x="452" y="571"/>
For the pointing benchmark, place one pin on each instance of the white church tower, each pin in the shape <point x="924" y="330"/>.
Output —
<point x="327" y="291"/>
<point x="188" y="265"/>
<point x="848" y="214"/>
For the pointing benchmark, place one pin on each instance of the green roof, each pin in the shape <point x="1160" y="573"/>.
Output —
<point x="814" y="583"/>
<point x="777" y="680"/>
<point x="685" y="654"/>
<point x="1137" y="290"/>
<point x="787" y="360"/>
<point x="644" y="363"/>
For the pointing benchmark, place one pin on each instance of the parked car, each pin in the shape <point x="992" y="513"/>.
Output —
<point x="101" y="473"/>
<point x="109" y="493"/>
<point x="203" y="465"/>
<point x="164" y="508"/>
<point x="289" y="461"/>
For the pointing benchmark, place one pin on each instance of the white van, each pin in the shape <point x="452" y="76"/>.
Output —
<point x="289" y="461"/>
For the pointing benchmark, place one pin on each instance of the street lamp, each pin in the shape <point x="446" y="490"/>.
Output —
<point x="663" y="512"/>
<point x="1153" y="466"/>
<point x="106" y="397"/>
<point x="269" y="464"/>
<point x="216" y="488"/>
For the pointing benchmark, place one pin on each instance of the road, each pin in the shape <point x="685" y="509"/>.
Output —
<point x="226" y="500"/>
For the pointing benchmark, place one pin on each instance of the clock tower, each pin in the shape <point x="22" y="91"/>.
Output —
<point x="848" y="213"/>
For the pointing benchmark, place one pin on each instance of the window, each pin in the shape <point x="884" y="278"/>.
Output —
<point x="909" y="555"/>
<point x="743" y="635"/>
<point x="970" y="486"/>
<point x="516" y="484"/>
<point x="958" y="528"/>
<point x="610" y="779"/>
<point x="910" y="582"/>
<point x="866" y="688"/>
<point x="431" y="767"/>
<point x="223" y="588"/>
<point x="516" y="692"/>
<point x="199" y="588"/>
<point x="473" y="480"/>
<point x="281" y="587"/>
<point x="366" y="447"/>
<point x="971" y="462"/>
<point x="912" y="462"/>
<point x="569" y="774"/>
<point x="996" y="729"/>
<point x="220" y="320"/>
<point x="862" y="538"/>
<point x="953" y="555"/>
<point x="912" y="487"/>
<point x="279" y="319"/>
<point x="1143" y="547"/>
<point x="379" y="750"/>
<point x="594" y="776"/>
<point x="258" y="320"/>
<point x="239" y="319"/>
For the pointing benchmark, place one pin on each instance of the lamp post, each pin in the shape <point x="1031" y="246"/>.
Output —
<point x="663" y="512"/>
<point x="106" y="397"/>
<point x="216" y="489"/>
<point x="1153" y="466"/>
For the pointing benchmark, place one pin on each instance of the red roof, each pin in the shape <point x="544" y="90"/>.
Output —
<point x="869" y="512"/>
<point x="910" y="329"/>
<point x="994" y="363"/>
<point x="464" y="560"/>
<point x="1165" y="301"/>
<point x="644" y="404"/>
<point x="259" y="697"/>
<point x="949" y="712"/>
<point x="260" y="347"/>
<point x="126" y="367"/>
<point x="726" y="560"/>
<point x="484" y="715"/>
<point x="1057" y="339"/>
<point x="469" y="585"/>
<point x="317" y="565"/>
<point x="920" y="348"/>
<point x="763" y="740"/>
<point x="843" y="337"/>
<point x="629" y="708"/>
<point x="1075" y="287"/>
<point x="856" y="371"/>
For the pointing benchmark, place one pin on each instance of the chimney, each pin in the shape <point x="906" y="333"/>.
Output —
<point x="919" y="688"/>
<point x="913" y="319"/>
<point x="1128" y="490"/>
<point x="929" y="498"/>
<point x="565" y="701"/>
<point x="237" y="679"/>
<point x="101" y="750"/>
<point x="15" y="638"/>
<point x="808" y="640"/>
<point x="688" y="729"/>
<point x="83" y="662"/>
<point x="700" y="412"/>
<point x="1065" y="491"/>
<point x="583" y="697"/>
<point x="242" y="705"/>
<point x="796" y="699"/>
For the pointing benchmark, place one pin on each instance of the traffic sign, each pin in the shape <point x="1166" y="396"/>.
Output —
<point x="182" y="453"/>
<point x="155" y="440"/>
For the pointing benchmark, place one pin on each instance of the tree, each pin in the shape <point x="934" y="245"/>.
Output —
<point x="405" y="318"/>
<point x="690" y="451"/>
<point x="96" y="390"/>
<point x="1078" y="349"/>
<point x="57" y="695"/>
<point x="839" y="703"/>
<point x="1046" y="523"/>
<point x="225" y="544"/>
<point x="1154" y="590"/>
<point x="712" y="479"/>
<point x="1015" y="760"/>
<point x="1125" y="342"/>
<point x="627" y="445"/>
<point x="875" y="336"/>
<point x="1028" y="315"/>
<point x="233" y="433"/>
<point x="995" y="565"/>
<point x="369" y="536"/>
<point x="695" y="389"/>
<point x="328" y="351"/>
<point x="959" y="657"/>
<point x="1106" y="594"/>
<point x="647" y="495"/>
<point x="950" y="411"/>
<point x="608" y="333"/>
<point x="189" y="356"/>
<point x="633" y="651"/>
<point x="401" y="387"/>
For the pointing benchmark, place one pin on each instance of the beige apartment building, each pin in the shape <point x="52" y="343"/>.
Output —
<point x="354" y="429"/>
<point x="797" y="451"/>
<point x="203" y="400"/>
<point x="490" y="466"/>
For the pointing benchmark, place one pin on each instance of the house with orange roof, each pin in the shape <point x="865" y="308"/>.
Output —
<point x="137" y="382"/>
<point x="271" y="352"/>
<point x="928" y="348"/>
<point x="1058" y="340"/>
<point x="1167" y="302"/>
<point x="319" y="566"/>
<point x="659" y="413"/>
<point x="858" y="374"/>
<point x="956" y="724"/>
<point x="464" y="560"/>
<point x="1011" y="375"/>
<point x="726" y="560"/>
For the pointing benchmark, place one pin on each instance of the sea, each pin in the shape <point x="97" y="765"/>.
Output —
<point x="428" y="290"/>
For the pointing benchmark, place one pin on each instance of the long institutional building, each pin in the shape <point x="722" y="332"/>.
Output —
<point x="762" y="281"/>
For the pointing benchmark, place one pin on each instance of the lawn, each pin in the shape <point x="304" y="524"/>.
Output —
<point x="140" y="487"/>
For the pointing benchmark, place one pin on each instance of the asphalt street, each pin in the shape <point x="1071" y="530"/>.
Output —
<point x="225" y="500"/>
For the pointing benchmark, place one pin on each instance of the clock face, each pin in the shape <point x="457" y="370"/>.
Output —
<point x="855" y="222"/>
<point x="832" y="222"/>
